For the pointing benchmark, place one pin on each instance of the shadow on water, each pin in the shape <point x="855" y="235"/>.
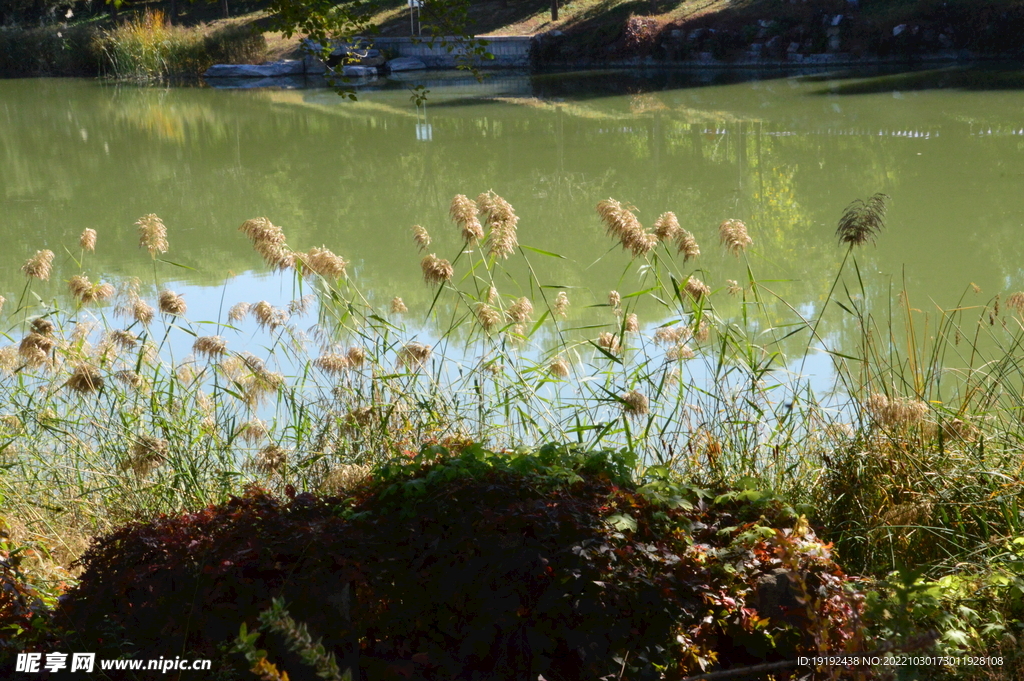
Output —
<point x="973" y="77"/>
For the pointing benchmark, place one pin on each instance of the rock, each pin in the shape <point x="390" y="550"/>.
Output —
<point x="945" y="41"/>
<point x="837" y="19"/>
<point x="289" y="67"/>
<point x="896" y="30"/>
<point x="793" y="48"/>
<point x="358" y="71"/>
<point x="834" y="43"/>
<point x="314" y="65"/>
<point x="696" y="34"/>
<point x="406" y="64"/>
<point x="675" y="34"/>
<point x="555" y="34"/>
<point x="774" y="596"/>
<point x="755" y="49"/>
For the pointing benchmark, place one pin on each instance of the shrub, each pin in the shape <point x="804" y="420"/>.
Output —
<point x="480" y="565"/>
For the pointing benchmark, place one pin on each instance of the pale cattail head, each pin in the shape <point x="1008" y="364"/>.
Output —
<point x="147" y="453"/>
<point x="463" y="213"/>
<point x="561" y="306"/>
<point x="152" y="234"/>
<point x="520" y="311"/>
<point x="238" y="312"/>
<point x="268" y="316"/>
<point x="733" y="235"/>
<point x="559" y="367"/>
<point x="39" y="265"/>
<point x="323" y="262"/>
<point x="632" y="323"/>
<point x="635" y="404"/>
<point x="414" y="355"/>
<point x="210" y="347"/>
<point x="85" y="379"/>
<point x="614" y="300"/>
<point x="421" y="236"/>
<point x="862" y="221"/>
<point x="687" y="245"/>
<point x="436" y="270"/>
<point x="398" y="306"/>
<point x="356" y="356"/>
<point x="269" y="241"/>
<point x="333" y="363"/>
<point x="88" y="239"/>
<point x="608" y="341"/>
<point x="172" y="304"/>
<point x="502" y="221"/>
<point x="271" y="459"/>
<point x="696" y="288"/>
<point x="488" y="316"/>
<point x="87" y="292"/>
<point x="666" y="227"/>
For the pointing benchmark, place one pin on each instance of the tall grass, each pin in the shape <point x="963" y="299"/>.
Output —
<point x="116" y="405"/>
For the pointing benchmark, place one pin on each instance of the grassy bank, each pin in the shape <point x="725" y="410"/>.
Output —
<point x="910" y="464"/>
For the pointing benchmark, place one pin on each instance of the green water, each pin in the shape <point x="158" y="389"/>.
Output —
<point x="784" y="154"/>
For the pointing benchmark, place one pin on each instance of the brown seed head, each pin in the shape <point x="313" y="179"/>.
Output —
<point x="141" y="311"/>
<point x="696" y="288"/>
<point x="896" y="412"/>
<point x="269" y="241"/>
<point x="39" y="265"/>
<point x="561" y="306"/>
<point x="421" y="236"/>
<point x="614" y="300"/>
<point x="8" y="360"/>
<point x="687" y="245"/>
<point x="238" y="312"/>
<point x="323" y="262"/>
<point x="252" y="431"/>
<point x="678" y="352"/>
<point x="86" y="292"/>
<point x="559" y="367"/>
<point x="85" y="379"/>
<point x="43" y="326"/>
<point x="635" y="404"/>
<point x="300" y="306"/>
<point x="398" y="306"/>
<point x="463" y="213"/>
<point x="152" y="234"/>
<point x="124" y="339"/>
<point x="268" y="316"/>
<point x="332" y="363"/>
<point x="666" y="227"/>
<point x="414" y="355"/>
<point x="632" y="323"/>
<point x="270" y="459"/>
<point x="171" y="303"/>
<point x="88" y="239"/>
<point x="862" y="221"/>
<point x="609" y="341"/>
<point x="436" y="270"/>
<point x="35" y="348"/>
<point x="130" y="378"/>
<point x="489" y="316"/>
<point x="502" y="221"/>
<point x="733" y="287"/>
<point x="356" y="356"/>
<point x="669" y="335"/>
<point x="146" y="455"/>
<point x="1016" y="302"/>
<point x="733" y="234"/>
<point x="623" y="225"/>
<point x="210" y="346"/>
<point x="520" y="311"/>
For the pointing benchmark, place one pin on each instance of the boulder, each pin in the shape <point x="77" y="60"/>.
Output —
<point x="289" y="67"/>
<point x="358" y="71"/>
<point x="406" y="64"/>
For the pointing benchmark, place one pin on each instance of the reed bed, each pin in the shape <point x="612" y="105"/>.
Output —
<point x="910" y="460"/>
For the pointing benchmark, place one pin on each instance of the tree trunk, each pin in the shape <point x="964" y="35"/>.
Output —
<point x="172" y="14"/>
<point x="224" y="8"/>
<point x="554" y="10"/>
<point x="113" y="9"/>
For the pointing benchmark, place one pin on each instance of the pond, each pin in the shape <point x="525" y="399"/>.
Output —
<point x="784" y="153"/>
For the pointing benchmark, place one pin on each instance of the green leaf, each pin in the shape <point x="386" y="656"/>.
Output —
<point x="622" y="522"/>
<point x="543" y="252"/>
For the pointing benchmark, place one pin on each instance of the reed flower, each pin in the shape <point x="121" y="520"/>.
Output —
<point x="43" y="326"/>
<point x="147" y="453"/>
<point x="666" y="227"/>
<point x="702" y="332"/>
<point x="152" y="234"/>
<point x="356" y="356"/>
<point x="623" y="225"/>
<point x="488" y="316"/>
<point x="895" y="412"/>
<point x="463" y="213"/>
<point x="421" y="236"/>
<point x="632" y="323"/>
<point x="414" y="355"/>
<point x="88" y="239"/>
<point x="516" y="334"/>
<point x="561" y="306"/>
<point x="2" y="301"/>
<point x="344" y="478"/>
<point x="559" y="367"/>
<point x="635" y="404"/>
<point x="332" y="363"/>
<point x="238" y="312"/>
<point x="130" y="378"/>
<point x="86" y="292"/>
<point x="268" y="316"/>
<point x="269" y="241"/>
<point x="124" y="339"/>
<point x="323" y="262"/>
<point x="679" y="352"/>
<point x="608" y="341"/>
<point x="85" y="379"/>
<point x="734" y="288"/>
<point x="210" y="346"/>
<point x="687" y="245"/>
<point x="171" y="303"/>
<point x="8" y="360"/>
<point x="436" y="270"/>
<point x="270" y="459"/>
<point x="614" y="300"/>
<point x="252" y="431"/>
<point x="733" y="235"/>
<point x="492" y="294"/>
<point x="35" y="348"/>
<point x="142" y="312"/>
<point x="502" y="221"/>
<point x="696" y="288"/>
<point x="520" y="311"/>
<point x="1014" y="300"/>
<point x="39" y="265"/>
<point x="669" y="335"/>
<point x="862" y="221"/>
<point x="398" y="306"/>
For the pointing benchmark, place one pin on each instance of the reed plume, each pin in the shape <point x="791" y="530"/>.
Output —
<point x="561" y="306"/>
<point x="270" y="459"/>
<point x="463" y="213"/>
<point x="862" y="221"/>
<point x="734" y="288"/>
<point x="269" y="317"/>
<point x="670" y="335"/>
<point x="172" y="304"/>
<point x="35" y="349"/>
<point x="300" y="306"/>
<point x="895" y="412"/>
<point x="502" y="221"/>
<point x="238" y="312"/>
<point x="436" y="270"/>
<point x="520" y="311"/>
<point x="614" y="300"/>
<point x="1014" y="300"/>
<point x="323" y="262"/>
<point x="332" y="363"/>
<point x="666" y="227"/>
<point x="623" y="225"/>
<point x="733" y="235"/>
<point x="635" y="404"/>
<point x="210" y="346"/>
<point x="88" y="239"/>
<point x="687" y="245"/>
<point x="559" y="367"/>
<point x="356" y="356"/>
<point x="43" y="326"/>
<point x="8" y="360"/>
<point x="421" y="236"/>
<point x="608" y="341"/>
<point x="147" y="453"/>
<point x="142" y="312"/>
<point x="632" y="323"/>
<point x="252" y="431"/>
<point x="414" y="355"/>
<point x="85" y="379"/>
<point x="152" y="234"/>
<point x="696" y="288"/>
<point x="269" y="241"/>
<point x="124" y="339"/>
<point x="488" y="316"/>
<point x="679" y="351"/>
<point x="39" y="265"/>
<point x="86" y="292"/>
<point x="398" y="306"/>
